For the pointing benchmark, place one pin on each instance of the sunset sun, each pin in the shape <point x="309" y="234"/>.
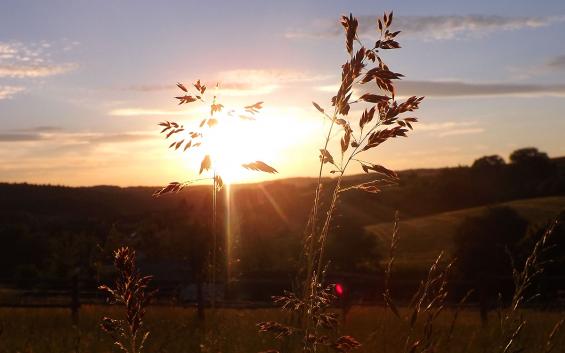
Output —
<point x="232" y="143"/>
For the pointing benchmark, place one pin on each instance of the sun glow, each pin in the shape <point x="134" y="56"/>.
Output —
<point x="231" y="143"/>
<point x="234" y="141"/>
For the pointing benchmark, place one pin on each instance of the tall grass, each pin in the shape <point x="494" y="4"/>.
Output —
<point x="131" y="291"/>
<point x="366" y="83"/>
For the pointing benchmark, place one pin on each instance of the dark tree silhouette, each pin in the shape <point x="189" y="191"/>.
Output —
<point x="528" y="155"/>
<point x="482" y="245"/>
<point x="351" y="248"/>
<point x="531" y="165"/>
<point x="488" y="162"/>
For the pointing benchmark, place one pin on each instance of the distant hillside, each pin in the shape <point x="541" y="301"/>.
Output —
<point x="420" y="192"/>
<point x="266" y="219"/>
<point x="423" y="238"/>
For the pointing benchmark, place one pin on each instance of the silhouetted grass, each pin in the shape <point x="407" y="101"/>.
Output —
<point x="175" y="330"/>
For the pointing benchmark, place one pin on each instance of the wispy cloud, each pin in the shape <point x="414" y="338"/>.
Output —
<point x="35" y="133"/>
<point x="242" y="89"/>
<point x="450" y="128"/>
<point x="45" y="128"/>
<point x="550" y="66"/>
<point x="455" y="89"/>
<point x="432" y="27"/>
<point x="467" y="89"/>
<point x="19" y="137"/>
<point x="150" y="87"/>
<point x="244" y="82"/>
<point x="268" y="75"/>
<point x="7" y="92"/>
<point x="34" y="70"/>
<point x="145" y="112"/>
<point x="20" y="61"/>
<point x="446" y="125"/>
<point x="227" y="88"/>
<point x="55" y="135"/>
<point x="556" y="63"/>
<point x="121" y="137"/>
<point x="466" y="131"/>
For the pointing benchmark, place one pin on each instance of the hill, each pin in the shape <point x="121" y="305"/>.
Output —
<point x="266" y="220"/>
<point x="422" y="239"/>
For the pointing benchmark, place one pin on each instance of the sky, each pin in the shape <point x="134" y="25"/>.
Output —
<point x="83" y="84"/>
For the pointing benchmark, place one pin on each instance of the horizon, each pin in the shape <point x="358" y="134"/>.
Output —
<point x="80" y="103"/>
<point x="253" y="182"/>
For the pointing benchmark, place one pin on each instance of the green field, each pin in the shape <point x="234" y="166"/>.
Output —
<point x="423" y="238"/>
<point x="174" y="330"/>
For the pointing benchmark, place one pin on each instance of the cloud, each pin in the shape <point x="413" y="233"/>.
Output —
<point x="20" y="61"/>
<point x="268" y="75"/>
<point x="28" y="134"/>
<point x="241" y="89"/>
<point x="55" y="135"/>
<point x="450" y="128"/>
<point x="46" y="128"/>
<point x="6" y="92"/>
<point x="432" y="27"/>
<point x="468" y="131"/>
<point x="251" y="82"/>
<point x="445" y="125"/>
<point x="548" y="67"/>
<point x="455" y="89"/>
<point x="122" y="137"/>
<point x="145" y="112"/>
<point x="556" y="63"/>
<point x="19" y="137"/>
<point x="230" y="87"/>
<point x="150" y="88"/>
<point x="257" y="82"/>
<point x="466" y="89"/>
<point x="34" y="70"/>
<point x="244" y="82"/>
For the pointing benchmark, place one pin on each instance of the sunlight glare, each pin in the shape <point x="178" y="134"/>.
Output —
<point x="234" y="141"/>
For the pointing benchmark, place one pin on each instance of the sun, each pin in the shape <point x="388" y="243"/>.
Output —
<point x="230" y="144"/>
<point x="233" y="144"/>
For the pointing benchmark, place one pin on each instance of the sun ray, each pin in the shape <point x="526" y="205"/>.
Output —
<point x="280" y="212"/>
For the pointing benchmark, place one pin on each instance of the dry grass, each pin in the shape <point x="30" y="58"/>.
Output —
<point x="368" y="84"/>
<point x="175" y="330"/>
<point x="130" y="291"/>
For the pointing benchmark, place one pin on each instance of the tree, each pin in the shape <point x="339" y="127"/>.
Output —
<point x="531" y="164"/>
<point x="488" y="162"/>
<point x="482" y="245"/>
<point x="528" y="155"/>
<point x="351" y="248"/>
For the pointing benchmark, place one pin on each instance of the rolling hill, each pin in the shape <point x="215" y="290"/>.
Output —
<point x="422" y="239"/>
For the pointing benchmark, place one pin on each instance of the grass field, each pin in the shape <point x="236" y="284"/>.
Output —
<point x="175" y="330"/>
<point x="423" y="238"/>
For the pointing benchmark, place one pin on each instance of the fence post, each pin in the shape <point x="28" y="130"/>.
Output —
<point x="75" y="302"/>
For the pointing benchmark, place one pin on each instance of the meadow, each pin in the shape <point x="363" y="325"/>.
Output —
<point x="176" y="330"/>
<point x="425" y="237"/>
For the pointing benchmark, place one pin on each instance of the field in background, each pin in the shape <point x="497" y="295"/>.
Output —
<point x="423" y="238"/>
<point x="174" y="329"/>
